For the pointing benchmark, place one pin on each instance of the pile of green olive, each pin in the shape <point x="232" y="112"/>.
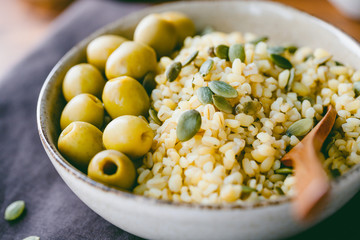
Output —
<point x="103" y="126"/>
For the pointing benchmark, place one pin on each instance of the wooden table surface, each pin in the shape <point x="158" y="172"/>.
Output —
<point x="22" y="25"/>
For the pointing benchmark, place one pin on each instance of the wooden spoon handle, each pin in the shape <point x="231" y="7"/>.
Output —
<point x="311" y="184"/>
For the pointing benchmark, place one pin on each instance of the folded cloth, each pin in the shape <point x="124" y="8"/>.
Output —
<point x="53" y="211"/>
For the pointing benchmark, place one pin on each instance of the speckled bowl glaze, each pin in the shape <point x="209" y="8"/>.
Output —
<point x="156" y="219"/>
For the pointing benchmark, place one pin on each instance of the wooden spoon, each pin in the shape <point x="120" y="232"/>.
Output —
<point x="312" y="184"/>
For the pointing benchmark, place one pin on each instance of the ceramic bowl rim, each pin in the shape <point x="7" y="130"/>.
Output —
<point x="52" y="150"/>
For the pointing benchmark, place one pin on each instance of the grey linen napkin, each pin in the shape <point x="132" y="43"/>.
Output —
<point x="53" y="211"/>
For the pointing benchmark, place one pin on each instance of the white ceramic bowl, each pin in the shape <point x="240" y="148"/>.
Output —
<point x="155" y="219"/>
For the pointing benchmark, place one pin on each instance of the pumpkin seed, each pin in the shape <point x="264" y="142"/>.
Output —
<point x="335" y="173"/>
<point x="339" y="63"/>
<point x="14" y="210"/>
<point x="149" y="82"/>
<point x="173" y="71"/>
<point x="291" y="80"/>
<point x="32" y="238"/>
<point x="260" y="39"/>
<point x="276" y="50"/>
<point x="301" y="127"/>
<point x="222" y="104"/>
<point x="206" y="67"/>
<point x="246" y="189"/>
<point x="223" y="89"/>
<point x="252" y="107"/>
<point x="284" y="171"/>
<point x="222" y="51"/>
<point x="188" y="125"/>
<point x="280" y="61"/>
<point x="153" y="115"/>
<point x="190" y="58"/>
<point x="292" y="49"/>
<point x="249" y="108"/>
<point x="205" y="95"/>
<point x="279" y="190"/>
<point x="211" y="51"/>
<point x="357" y="88"/>
<point x="207" y="30"/>
<point x="237" y="51"/>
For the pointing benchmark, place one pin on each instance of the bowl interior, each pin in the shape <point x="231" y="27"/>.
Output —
<point x="282" y="24"/>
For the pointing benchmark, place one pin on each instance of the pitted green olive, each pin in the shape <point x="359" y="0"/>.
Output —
<point x="184" y="26"/>
<point x="82" y="78"/>
<point x="132" y="59"/>
<point x="83" y="107"/>
<point x="125" y="96"/>
<point x="158" y="33"/>
<point x="79" y="142"/>
<point x="113" y="168"/>
<point x="130" y="135"/>
<point x="99" y="49"/>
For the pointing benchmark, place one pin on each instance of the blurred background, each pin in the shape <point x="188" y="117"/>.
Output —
<point x="23" y="23"/>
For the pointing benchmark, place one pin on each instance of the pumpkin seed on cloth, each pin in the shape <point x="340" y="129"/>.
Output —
<point x="237" y="51"/>
<point x="223" y="89"/>
<point x="14" y="210"/>
<point x="190" y="58"/>
<point x="284" y="171"/>
<point x="204" y="95"/>
<point x="188" y="125"/>
<point x="260" y="39"/>
<point x="206" y="67"/>
<point x="222" y="51"/>
<point x="149" y="82"/>
<point x="173" y="71"/>
<point x="153" y="115"/>
<point x="32" y="238"/>
<point x="222" y="104"/>
<point x="301" y="127"/>
<point x="280" y="61"/>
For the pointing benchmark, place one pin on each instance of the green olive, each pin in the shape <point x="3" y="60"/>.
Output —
<point x="125" y="96"/>
<point x="113" y="168"/>
<point x="82" y="78"/>
<point x="130" y="135"/>
<point x="100" y="49"/>
<point x="83" y="107"/>
<point x="79" y="142"/>
<point x="158" y="33"/>
<point x="132" y="59"/>
<point x="184" y="26"/>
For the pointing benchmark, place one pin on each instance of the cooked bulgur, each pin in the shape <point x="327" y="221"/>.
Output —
<point x="234" y="157"/>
